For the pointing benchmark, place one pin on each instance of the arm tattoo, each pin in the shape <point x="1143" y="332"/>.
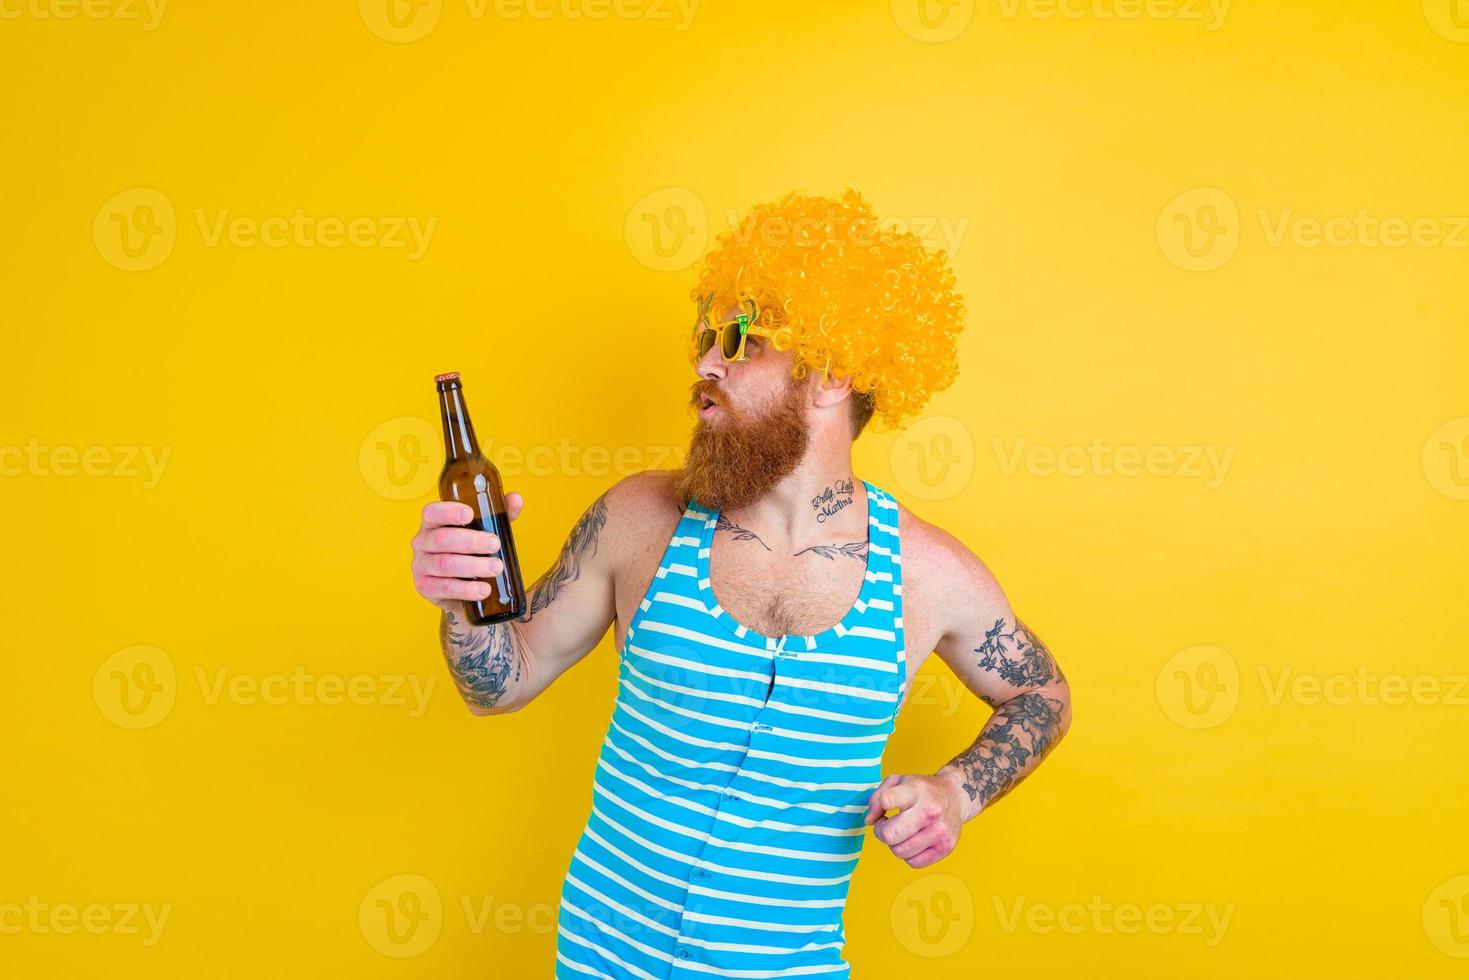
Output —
<point x="852" y="549"/>
<point x="1019" y="733"/>
<point x="580" y="545"/>
<point x="481" y="659"/>
<point x="722" y="523"/>
<point x="1028" y="664"/>
<point x="1023" y="729"/>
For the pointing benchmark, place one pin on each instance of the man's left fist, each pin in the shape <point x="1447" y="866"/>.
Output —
<point x="927" y="828"/>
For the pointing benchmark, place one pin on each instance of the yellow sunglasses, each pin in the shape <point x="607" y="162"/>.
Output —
<point x="728" y="334"/>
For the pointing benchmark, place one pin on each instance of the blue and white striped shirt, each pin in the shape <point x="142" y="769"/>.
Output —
<point x="729" y="798"/>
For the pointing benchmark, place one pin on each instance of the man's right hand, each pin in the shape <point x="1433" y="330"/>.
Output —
<point x="449" y="557"/>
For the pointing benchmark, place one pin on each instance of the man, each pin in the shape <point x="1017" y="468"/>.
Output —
<point x="769" y="609"/>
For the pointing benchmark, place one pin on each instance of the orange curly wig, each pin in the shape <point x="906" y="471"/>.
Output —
<point x="846" y="294"/>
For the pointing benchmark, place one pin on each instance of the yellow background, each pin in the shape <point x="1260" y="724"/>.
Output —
<point x="1072" y="151"/>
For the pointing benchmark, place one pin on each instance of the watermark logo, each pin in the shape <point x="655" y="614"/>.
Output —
<point x="1364" y="687"/>
<point x="1199" y="687"/>
<point x="1199" y="230"/>
<point x="400" y="459"/>
<point x="135" y="687"/>
<point x="131" y="919"/>
<point x="933" y="21"/>
<point x="1203" y="919"/>
<point x="148" y="13"/>
<point x="1362" y="229"/>
<point x="117" y="462"/>
<point x="933" y="459"/>
<point x="667" y="229"/>
<point x="1207" y="463"/>
<point x="401" y="916"/>
<point x="1449" y="18"/>
<point x="935" y="232"/>
<point x="933" y="916"/>
<point x="299" y="687"/>
<point x="400" y="21"/>
<point x="135" y="229"/>
<point x="1210" y="13"/>
<point x="1446" y="459"/>
<point x="1446" y="917"/>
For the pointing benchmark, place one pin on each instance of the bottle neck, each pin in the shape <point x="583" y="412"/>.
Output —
<point x="459" y="440"/>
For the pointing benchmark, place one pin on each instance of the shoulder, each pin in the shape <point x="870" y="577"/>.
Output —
<point x="938" y="568"/>
<point x="639" y="511"/>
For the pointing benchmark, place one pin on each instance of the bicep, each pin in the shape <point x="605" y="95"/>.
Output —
<point x="987" y="646"/>
<point x="571" y="604"/>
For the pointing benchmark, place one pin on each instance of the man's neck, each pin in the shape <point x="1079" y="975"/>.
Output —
<point x="820" y="501"/>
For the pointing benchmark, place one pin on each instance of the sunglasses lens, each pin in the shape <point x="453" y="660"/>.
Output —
<point x="706" y="341"/>
<point x="732" y="339"/>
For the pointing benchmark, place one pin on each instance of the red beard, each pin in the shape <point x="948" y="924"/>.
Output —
<point x="736" y="462"/>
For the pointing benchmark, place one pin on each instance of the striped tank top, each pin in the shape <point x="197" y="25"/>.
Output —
<point x="730" y="793"/>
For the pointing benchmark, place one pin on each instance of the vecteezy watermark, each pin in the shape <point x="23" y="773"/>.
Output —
<point x="933" y="459"/>
<point x="941" y="689"/>
<point x="667" y="229"/>
<point x="933" y="21"/>
<point x="137" y="229"/>
<point x="1446" y="459"/>
<point x="1446" y="916"/>
<point x="1205" y="920"/>
<point x="137" y="687"/>
<point x="1449" y="18"/>
<point x="1201" y="229"/>
<point x="936" y="21"/>
<point x="148" y="13"/>
<point x="1363" y="686"/>
<point x="301" y="687"/>
<point x="1201" y="687"/>
<point x="133" y="919"/>
<point x="1210" y="14"/>
<point x="1362" y="229"/>
<point x="400" y="458"/>
<point x="405" y="21"/>
<point x="1096" y="458"/>
<point x="934" y="232"/>
<point x="933" y="915"/>
<point x="403" y="915"/>
<point x="143" y="463"/>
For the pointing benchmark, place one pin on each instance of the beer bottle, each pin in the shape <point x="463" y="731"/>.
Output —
<point x="470" y="478"/>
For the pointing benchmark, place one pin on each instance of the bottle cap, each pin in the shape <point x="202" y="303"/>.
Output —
<point x="451" y="376"/>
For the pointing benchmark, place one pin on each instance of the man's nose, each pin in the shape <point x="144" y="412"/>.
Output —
<point x="712" y="365"/>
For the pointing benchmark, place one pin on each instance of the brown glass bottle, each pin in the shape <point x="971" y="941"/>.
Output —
<point x="470" y="478"/>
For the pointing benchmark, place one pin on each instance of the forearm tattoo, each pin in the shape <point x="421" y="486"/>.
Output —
<point x="1018" y="735"/>
<point x="580" y="545"/>
<point x="1022" y="730"/>
<point x="481" y="659"/>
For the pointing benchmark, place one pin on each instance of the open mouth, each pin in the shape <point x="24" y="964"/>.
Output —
<point x="706" y="405"/>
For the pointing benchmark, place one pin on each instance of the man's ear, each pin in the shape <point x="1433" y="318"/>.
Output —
<point x="827" y="390"/>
